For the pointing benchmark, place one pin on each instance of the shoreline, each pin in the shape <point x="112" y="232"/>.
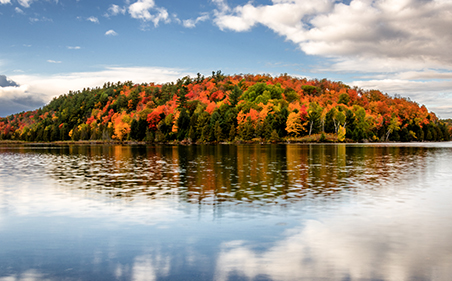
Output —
<point x="186" y="143"/>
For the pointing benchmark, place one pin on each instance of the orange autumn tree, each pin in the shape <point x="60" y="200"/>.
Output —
<point x="121" y="124"/>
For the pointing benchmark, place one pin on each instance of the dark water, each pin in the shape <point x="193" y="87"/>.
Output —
<point x="226" y="212"/>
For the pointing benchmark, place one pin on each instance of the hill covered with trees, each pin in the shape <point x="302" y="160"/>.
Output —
<point x="226" y="108"/>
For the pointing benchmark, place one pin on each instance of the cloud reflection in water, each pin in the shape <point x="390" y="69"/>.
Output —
<point x="390" y="240"/>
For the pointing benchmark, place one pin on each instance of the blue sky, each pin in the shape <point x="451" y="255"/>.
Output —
<point x="48" y="47"/>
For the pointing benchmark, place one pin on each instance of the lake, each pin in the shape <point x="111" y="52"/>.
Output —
<point x="226" y="212"/>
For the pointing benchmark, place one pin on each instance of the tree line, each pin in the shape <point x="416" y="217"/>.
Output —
<point x="227" y="108"/>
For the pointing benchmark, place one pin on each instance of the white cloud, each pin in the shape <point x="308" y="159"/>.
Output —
<point x="5" y="1"/>
<point x="222" y="5"/>
<point x="74" y="47"/>
<point x="426" y="74"/>
<point x="17" y="99"/>
<point x="93" y="19"/>
<point x="176" y="19"/>
<point x="141" y="10"/>
<point x="414" y="30"/>
<point x="284" y="17"/>
<point x="115" y="10"/>
<point x="19" y="10"/>
<point x="111" y="32"/>
<point x="53" y="61"/>
<point x="190" y="23"/>
<point x="25" y="3"/>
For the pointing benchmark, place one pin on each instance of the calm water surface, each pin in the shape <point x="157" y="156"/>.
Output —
<point x="226" y="212"/>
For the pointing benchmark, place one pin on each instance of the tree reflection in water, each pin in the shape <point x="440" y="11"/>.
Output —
<point x="227" y="173"/>
<point x="226" y="212"/>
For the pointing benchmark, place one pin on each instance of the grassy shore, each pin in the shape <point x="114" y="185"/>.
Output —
<point x="314" y="138"/>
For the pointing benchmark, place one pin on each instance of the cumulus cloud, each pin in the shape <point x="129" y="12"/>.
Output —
<point x="53" y="61"/>
<point x="115" y="10"/>
<point x="142" y="10"/>
<point x="19" y="10"/>
<point x="111" y="32"/>
<point x="5" y="1"/>
<point x="16" y="98"/>
<point x="414" y="30"/>
<point x="13" y="101"/>
<point x="37" y="90"/>
<point x="93" y="19"/>
<point x="74" y="47"/>
<point x="5" y="82"/>
<point x="191" y="23"/>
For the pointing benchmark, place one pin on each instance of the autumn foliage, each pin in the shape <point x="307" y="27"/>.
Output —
<point x="227" y="108"/>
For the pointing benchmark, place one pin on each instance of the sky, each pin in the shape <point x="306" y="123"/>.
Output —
<point x="48" y="47"/>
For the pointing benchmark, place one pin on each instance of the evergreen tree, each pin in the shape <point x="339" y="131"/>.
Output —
<point x="143" y="127"/>
<point x="218" y="131"/>
<point x="134" y="130"/>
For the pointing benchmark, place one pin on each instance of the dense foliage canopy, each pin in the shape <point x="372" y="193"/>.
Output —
<point x="226" y="108"/>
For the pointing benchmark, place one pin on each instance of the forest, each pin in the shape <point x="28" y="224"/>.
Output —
<point x="227" y="108"/>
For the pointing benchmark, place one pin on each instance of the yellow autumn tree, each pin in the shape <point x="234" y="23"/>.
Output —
<point x="341" y="133"/>
<point x="293" y="124"/>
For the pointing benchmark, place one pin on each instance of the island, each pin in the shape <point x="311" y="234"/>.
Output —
<point x="227" y="108"/>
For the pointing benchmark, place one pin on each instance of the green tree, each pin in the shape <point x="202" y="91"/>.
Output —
<point x="205" y="133"/>
<point x="218" y="131"/>
<point x="143" y="127"/>
<point x="314" y="114"/>
<point x="274" y="136"/>
<point x="234" y="96"/>
<point x="55" y="133"/>
<point x="261" y="92"/>
<point x="247" y="130"/>
<point x="232" y="133"/>
<point x="134" y="129"/>
<point x="344" y="99"/>
<point x="203" y="121"/>
<point x="183" y="124"/>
